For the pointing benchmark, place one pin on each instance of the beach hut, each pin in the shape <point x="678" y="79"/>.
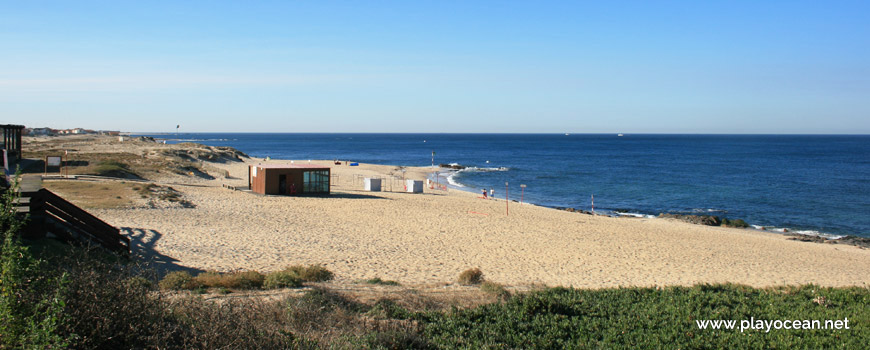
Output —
<point x="373" y="185"/>
<point x="288" y="179"/>
<point x="414" y="186"/>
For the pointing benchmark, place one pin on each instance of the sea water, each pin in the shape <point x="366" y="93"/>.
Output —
<point x="808" y="183"/>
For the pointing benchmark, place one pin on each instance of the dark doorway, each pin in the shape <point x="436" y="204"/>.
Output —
<point x="282" y="184"/>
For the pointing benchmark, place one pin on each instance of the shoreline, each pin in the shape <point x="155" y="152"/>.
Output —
<point x="429" y="238"/>
<point x="449" y="170"/>
<point x="854" y="239"/>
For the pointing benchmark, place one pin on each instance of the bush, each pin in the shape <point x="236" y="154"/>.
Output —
<point x="111" y="305"/>
<point x="246" y="280"/>
<point x="495" y="289"/>
<point x="31" y="300"/>
<point x="282" y="279"/>
<point x="471" y="276"/>
<point x="311" y="273"/>
<point x="179" y="280"/>
<point x="378" y="280"/>
<point x="235" y="280"/>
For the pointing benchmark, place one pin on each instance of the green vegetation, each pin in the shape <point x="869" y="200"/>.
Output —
<point x="654" y="318"/>
<point x="311" y="273"/>
<point x="471" y="276"/>
<point x="282" y="279"/>
<point x="495" y="289"/>
<point x="291" y="277"/>
<point x="179" y="280"/>
<point x="113" y="168"/>
<point x="236" y="280"/>
<point x="31" y="303"/>
<point x="378" y="280"/>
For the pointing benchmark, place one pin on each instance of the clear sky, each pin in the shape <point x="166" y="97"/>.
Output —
<point x="437" y="66"/>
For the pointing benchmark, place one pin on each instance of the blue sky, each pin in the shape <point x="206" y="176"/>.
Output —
<point x="438" y="66"/>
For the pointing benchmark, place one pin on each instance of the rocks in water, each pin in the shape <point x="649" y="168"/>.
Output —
<point x="572" y="210"/>
<point x="855" y="240"/>
<point x="849" y="240"/>
<point x="738" y="223"/>
<point x="452" y="166"/>
<point x="694" y="219"/>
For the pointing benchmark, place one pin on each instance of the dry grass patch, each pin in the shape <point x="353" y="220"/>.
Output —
<point x="95" y="195"/>
<point x="471" y="276"/>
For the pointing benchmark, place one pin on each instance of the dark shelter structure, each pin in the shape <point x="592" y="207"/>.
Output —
<point x="12" y="141"/>
<point x="288" y="179"/>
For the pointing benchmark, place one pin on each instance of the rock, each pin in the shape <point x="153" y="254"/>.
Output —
<point x="569" y="209"/>
<point x="694" y="219"/>
<point x="855" y="240"/>
<point x="452" y="166"/>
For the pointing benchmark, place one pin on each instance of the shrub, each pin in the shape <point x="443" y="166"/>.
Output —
<point x="246" y="280"/>
<point x="471" y="276"/>
<point x="311" y="273"/>
<point x="387" y="308"/>
<point x="236" y="280"/>
<point x="207" y="279"/>
<point x="495" y="289"/>
<point x="31" y="303"/>
<point x="378" y="280"/>
<point x="282" y="279"/>
<point x="179" y="280"/>
<point x="111" y="305"/>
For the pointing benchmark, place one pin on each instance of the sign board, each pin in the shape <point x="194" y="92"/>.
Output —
<point x="53" y="161"/>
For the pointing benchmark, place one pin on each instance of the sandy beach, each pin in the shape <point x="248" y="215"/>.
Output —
<point x="430" y="238"/>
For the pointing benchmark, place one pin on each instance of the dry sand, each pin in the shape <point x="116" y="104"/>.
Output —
<point x="431" y="237"/>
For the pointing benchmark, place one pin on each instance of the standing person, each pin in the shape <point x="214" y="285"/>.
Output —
<point x="491" y="193"/>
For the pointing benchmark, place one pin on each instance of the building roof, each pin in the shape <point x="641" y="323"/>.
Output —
<point x="291" y="166"/>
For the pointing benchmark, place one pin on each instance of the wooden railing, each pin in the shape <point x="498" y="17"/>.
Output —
<point x="52" y="214"/>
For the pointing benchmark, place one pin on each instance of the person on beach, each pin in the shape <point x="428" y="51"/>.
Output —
<point x="484" y="193"/>
<point x="491" y="193"/>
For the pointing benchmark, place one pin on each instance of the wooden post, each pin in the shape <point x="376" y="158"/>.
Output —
<point x="506" y="200"/>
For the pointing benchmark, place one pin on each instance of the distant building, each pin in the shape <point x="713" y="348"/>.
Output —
<point x="38" y="131"/>
<point x="288" y="179"/>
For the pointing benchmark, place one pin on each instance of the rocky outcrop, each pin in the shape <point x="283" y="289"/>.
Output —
<point x="452" y="166"/>
<point x="694" y="219"/>
<point x="848" y="240"/>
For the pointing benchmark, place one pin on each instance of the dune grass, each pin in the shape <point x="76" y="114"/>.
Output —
<point x="655" y="318"/>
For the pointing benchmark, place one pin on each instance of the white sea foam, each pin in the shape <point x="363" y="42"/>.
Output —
<point x="799" y="232"/>
<point x="451" y="179"/>
<point x="636" y="215"/>
<point x="708" y="210"/>
<point x="485" y="169"/>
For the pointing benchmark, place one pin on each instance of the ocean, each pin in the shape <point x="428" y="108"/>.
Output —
<point x="813" y="184"/>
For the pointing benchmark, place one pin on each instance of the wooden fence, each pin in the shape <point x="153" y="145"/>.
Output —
<point x="51" y="214"/>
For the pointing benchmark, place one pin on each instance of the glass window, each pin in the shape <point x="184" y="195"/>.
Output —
<point x="315" y="181"/>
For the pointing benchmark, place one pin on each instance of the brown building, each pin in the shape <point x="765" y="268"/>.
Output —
<point x="288" y="179"/>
